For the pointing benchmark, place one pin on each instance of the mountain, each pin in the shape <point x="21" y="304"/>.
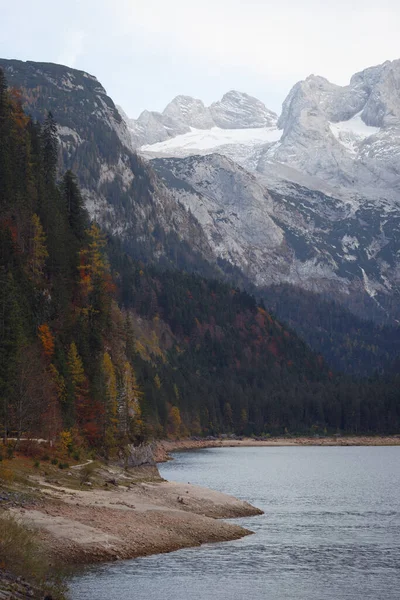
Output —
<point x="345" y="136"/>
<point x="235" y="110"/>
<point x="294" y="235"/>
<point x="101" y="351"/>
<point x="121" y="191"/>
<point x="330" y="178"/>
<point x="348" y="135"/>
<point x="215" y="200"/>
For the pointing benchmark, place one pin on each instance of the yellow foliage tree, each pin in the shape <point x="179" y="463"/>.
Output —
<point x="111" y="402"/>
<point x="92" y="262"/>
<point x="96" y="255"/>
<point x="130" y="413"/>
<point x="157" y="382"/>
<point x="75" y="367"/>
<point x="59" y="381"/>
<point x="174" y="421"/>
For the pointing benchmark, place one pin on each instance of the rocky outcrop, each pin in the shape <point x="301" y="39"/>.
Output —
<point x="241" y="111"/>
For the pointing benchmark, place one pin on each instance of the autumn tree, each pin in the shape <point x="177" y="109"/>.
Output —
<point x="110" y="401"/>
<point x="174" y="421"/>
<point x="129" y="405"/>
<point x="47" y="340"/>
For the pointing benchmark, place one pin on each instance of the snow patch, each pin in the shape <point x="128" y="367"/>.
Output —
<point x="200" y="139"/>
<point x="352" y="132"/>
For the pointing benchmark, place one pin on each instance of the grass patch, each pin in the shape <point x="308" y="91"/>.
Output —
<point x="21" y="555"/>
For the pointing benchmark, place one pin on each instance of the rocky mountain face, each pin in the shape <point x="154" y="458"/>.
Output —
<point x="309" y="200"/>
<point x="121" y="191"/>
<point x="347" y="135"/>
<point x="234" y="111"/>
<point x="294" y="234"/>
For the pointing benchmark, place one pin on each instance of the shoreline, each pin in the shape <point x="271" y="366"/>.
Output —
<point x="129" y="520"/>
<point x="164" y="447"/>
<point x="122" y="514"/>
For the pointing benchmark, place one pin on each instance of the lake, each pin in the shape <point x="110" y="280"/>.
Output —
<point x="331" y="530"/>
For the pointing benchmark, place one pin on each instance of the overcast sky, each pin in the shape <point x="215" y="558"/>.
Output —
<point x="145" y="52"/>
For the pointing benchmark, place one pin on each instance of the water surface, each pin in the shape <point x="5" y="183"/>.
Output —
<point x="331" y="530"/>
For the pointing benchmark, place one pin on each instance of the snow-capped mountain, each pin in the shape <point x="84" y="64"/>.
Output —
<point x="229" y="190"/>
<point x="234" y="111"/>
<point x="348" y="137"/>
<point x="331" y="166"/>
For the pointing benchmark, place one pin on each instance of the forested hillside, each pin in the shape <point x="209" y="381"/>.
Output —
<point x="98" y="345"/>
<point x="348" y="343"/>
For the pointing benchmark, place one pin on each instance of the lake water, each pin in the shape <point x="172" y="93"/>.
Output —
<point x="331" y="530"/>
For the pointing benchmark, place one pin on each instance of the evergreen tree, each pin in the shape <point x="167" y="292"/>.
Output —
<point x="50" y="149"/>
<point x="77" y="215"/>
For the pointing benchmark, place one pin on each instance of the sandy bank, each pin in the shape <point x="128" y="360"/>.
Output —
<point x="130" y="521"/>
<point x="164" y="447"/>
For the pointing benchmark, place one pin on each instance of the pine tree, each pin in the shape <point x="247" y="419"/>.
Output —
<point x="11" y="342"/>
<point x="77" y="215"/>
<point x="38" y="251"/>
<point x="50" y="148"/>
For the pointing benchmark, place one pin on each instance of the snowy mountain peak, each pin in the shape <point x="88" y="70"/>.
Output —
<point x="236" y="110"/>
<point x="186" y="111"/>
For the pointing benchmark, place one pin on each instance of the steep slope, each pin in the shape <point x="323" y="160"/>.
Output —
<point x="294" y="235"/>
<point x="348" y="135"/>
<point x="121" y="192"/>
<point x="349" y="344"/>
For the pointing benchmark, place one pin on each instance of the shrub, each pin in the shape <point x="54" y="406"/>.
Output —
<point x="30" y="448"/>
<point x="21" y="555"/>
<point x="36" y="464"/>
<point x="6" y="475"/>
<point x="54" y="461"/>
<point x="18" y="550"/>
<point x="86" y="471"/>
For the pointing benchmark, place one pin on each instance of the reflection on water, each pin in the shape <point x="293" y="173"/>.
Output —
<point x="331" y="531"/>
